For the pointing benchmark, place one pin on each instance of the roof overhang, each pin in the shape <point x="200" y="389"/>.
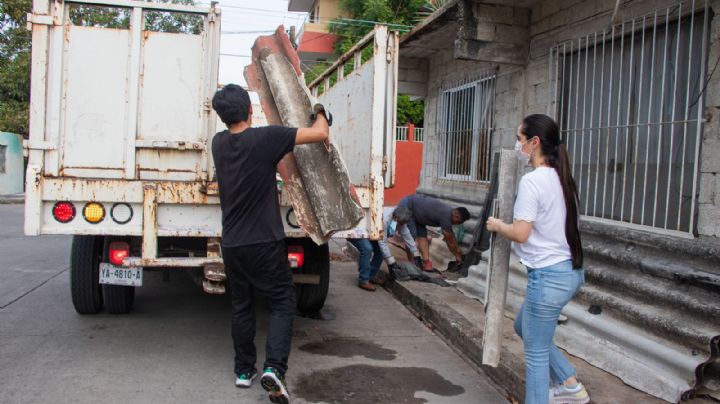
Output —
<point x="303" y="6"/>
<point x="467" y="27"/>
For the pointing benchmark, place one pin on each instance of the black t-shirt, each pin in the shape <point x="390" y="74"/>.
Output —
<point x="246" y="164"/>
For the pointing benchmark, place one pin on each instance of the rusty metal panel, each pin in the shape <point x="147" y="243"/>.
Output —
<point x="352" y="104"/>
<point x="189" y="220"/>
<point x="80" y="226"/>
<point x="314" y="175"/>
<point x="110" y="106"/>
<point x="94" y="110"/>
<point x="171" y="87"/>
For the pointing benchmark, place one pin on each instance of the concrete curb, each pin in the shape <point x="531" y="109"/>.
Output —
<point x="463" y="336"/>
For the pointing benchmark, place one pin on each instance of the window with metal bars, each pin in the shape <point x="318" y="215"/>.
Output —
<point x="629" y="104"/>
<point x="465" y="129"/>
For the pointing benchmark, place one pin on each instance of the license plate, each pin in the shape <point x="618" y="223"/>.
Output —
<point x="114" y="275"/>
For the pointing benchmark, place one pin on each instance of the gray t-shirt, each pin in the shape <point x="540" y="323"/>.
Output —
<point x="428" y="211"/>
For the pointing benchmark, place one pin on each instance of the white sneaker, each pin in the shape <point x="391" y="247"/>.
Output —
<point x="244" y="380"/>
<point x="274" y="383"/>
<point x="563" y="395"/>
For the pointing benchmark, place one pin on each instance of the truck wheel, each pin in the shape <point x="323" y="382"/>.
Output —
<point x="118" y="299"/>
<point x="311" y="298"/>
<point x="84" y="274"/>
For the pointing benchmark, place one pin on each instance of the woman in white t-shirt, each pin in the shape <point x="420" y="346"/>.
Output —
<point x="545" y="236"/>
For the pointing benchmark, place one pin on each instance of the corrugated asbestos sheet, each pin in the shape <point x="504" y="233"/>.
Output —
<point x="315" y="176"/>
<point x="648" y="312"/>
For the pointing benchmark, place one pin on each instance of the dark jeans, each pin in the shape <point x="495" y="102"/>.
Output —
<point x="416" y="229"/>
<point x="367" y="267"/>
<point x="262" y="267"/>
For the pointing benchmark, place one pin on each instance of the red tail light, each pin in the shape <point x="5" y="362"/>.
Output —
<point x="296" y="256"/>
<point x="63" y="212"/>
<point x="118" y="251"/>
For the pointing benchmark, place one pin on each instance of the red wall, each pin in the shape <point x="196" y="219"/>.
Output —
<point x="408" y="161"/>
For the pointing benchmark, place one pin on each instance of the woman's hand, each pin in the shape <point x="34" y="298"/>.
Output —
<point x="494" y="224"/>
<point x="517" y="231"/>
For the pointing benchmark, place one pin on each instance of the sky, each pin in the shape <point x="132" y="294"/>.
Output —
<point x="242" y="22"/>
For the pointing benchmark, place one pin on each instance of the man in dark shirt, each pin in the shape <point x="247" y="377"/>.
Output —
<point x="427" y="211"/>
<point x="253" y="239"/>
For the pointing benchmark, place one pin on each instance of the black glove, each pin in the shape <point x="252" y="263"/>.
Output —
<point x="419" y="262"/>
<point x="319" y="108"/>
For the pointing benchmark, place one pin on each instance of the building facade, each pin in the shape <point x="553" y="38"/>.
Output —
<point x="315" y="43"/>
<point x="635" y="91"/>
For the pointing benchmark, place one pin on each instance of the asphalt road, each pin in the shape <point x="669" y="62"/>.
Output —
<point x="175" y="346"/>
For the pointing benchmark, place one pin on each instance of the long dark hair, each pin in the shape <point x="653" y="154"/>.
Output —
<point x="556" y="155"/>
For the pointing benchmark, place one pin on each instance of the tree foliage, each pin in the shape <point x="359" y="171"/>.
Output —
<point x="15" y="43"/>
<point x="363" y="15"/>
<point x="409" y="111"/>
<point x="401" y="14"/>
<point x="14" y="66"/>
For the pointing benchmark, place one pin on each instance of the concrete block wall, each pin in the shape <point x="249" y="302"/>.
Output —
<point x="556" y="21"/>
<point x="443" y="70"/>
<point x="413" y="77"/>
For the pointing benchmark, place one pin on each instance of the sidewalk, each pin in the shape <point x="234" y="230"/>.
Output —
<point x="13" y="198"/>
<point x="460" y="320"/>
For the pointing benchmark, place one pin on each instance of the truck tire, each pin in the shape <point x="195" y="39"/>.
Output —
<point x="85" y="273"/>
<point x="118" y="299"/>
<point x="311" y="298"/>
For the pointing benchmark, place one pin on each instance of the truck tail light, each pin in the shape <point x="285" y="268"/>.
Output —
<point x="94" y="212"/>
<point x="121" y="213"/>
<point x="296" y="256"/>
<point x="63" y="212"/>
<point x="118" y="251"/>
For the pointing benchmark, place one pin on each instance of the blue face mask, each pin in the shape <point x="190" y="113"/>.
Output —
<point x="391" y="228"/>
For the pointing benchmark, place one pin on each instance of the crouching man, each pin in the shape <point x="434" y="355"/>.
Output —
<point x="373" y="252"/>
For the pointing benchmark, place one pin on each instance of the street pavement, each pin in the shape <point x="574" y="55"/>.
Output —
<point x="175" y="346"/>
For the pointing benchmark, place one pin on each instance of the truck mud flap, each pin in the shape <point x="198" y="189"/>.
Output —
<point x="315" y="176"/>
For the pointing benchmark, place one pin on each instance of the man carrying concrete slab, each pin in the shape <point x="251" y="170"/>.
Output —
<point x="427" y="211"/>
<point x="253" y="238"/>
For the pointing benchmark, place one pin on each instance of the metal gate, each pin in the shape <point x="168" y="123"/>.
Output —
<point x="629" y="103"/>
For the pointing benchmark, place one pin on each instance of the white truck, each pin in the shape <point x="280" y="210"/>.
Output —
<point x="119" y="148"/>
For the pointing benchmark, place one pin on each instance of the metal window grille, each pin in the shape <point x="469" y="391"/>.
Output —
<point x="465" y="130"/>
<point x="629" y="103"/>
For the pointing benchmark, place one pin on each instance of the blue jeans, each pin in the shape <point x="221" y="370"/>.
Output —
<point x="370" y="258"/>
<point x="549" y="290"/>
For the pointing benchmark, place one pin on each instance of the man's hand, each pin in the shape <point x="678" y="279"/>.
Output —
<point x="452" y="245"/>
<point x="319" y="110"/>
<point x="318" y="132"/>
<point x="459" y="258"/>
